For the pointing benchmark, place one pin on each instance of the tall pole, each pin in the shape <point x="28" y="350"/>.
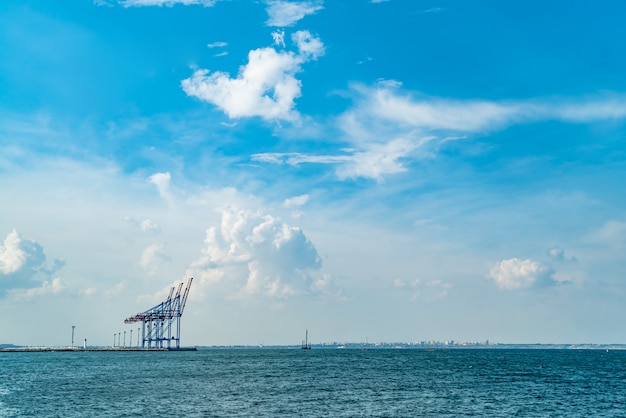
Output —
<point x="114" y="339"/>
<point x="124" y="339"/>
<point x="73" y="326"/>
<point x="130" y="340"/>
<point x="138" y="337"/>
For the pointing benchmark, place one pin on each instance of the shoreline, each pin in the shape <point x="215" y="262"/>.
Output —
<point x="349" y="346"/>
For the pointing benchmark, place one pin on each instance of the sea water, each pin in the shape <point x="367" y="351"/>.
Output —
<point x="269" y="382"/>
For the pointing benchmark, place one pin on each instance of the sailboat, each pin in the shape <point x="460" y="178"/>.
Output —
<point x="305" y="344"/>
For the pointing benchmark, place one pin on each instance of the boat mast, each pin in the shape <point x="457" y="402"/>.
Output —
<point x="305" y="343"/>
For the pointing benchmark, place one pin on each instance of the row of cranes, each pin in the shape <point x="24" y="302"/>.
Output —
<point x="161" y="323"/>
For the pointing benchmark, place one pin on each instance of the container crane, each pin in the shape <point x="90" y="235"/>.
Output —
<point x="161" y="323"/>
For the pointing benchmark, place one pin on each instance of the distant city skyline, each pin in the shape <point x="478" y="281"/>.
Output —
<point x="390" y="170"/>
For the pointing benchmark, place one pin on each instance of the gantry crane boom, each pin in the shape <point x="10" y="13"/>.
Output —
<point x="184" y="300"/>
<point x="169" y="297"/>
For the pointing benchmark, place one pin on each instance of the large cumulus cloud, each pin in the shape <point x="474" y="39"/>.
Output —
<point x="253" y="254"/>
<point x="23" y="268"/>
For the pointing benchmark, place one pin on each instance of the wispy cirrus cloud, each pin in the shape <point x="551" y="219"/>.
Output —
<point x="168" y="3"/>
<point x="374" y="160"/>
<point x="386" y="126"/>
<point x="287" y="13"/>
<point x="220" y="45"/>
<point x="295" y="158"/>
<point x="434" y="10"/>
<point x="266" y="86"/>
<point x="377" y="160"/>
<point x="384" y="103"/>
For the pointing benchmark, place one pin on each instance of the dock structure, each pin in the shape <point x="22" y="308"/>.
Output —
<point x="81" y="349"/>
<point x="161" y="323"/>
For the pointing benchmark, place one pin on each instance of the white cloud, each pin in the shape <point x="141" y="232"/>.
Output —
<point x="148" y="226"/>
<point x="163" y="183"/>
<point x="117" y="289"/>
<point x="295" y="158"/>
<point x="558" y="254"/>
<point x="432" y="290"/>
<point x="386" y="126"/>
<point x="23" y="259"/>
<point x="434" y="10"/>
<point x="217" y="45"/>
<point x="569" y="277"/>
<point x="309" y="46"/>
<point x="373" y="161"/>
<point x="266" y="86"/>
<point x="515" y="274"/>
<point x="377" y="160"/>
<point x="384" y="104"/>
<point x="52" y="287"/>
<point x="90" y="291"/>
<point x="612" y="232"/>
<point x="286" y="13"/>
<point x="145" y="225"/>
<point x="152" y="256"/>
<point x="296" y="201"/>
<point x="253" y="254"/>
<point x="168" y="3"/>
<point x="47" y="288"/>
<point x="23" y="266"/>
<point x="613" y="107"/>
<point x="12" y="256"/>
<point x="279" y="38"/>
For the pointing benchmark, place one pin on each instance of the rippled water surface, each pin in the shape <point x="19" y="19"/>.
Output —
<point x="323" y="382"/>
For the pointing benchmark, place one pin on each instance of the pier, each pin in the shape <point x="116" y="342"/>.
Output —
<point x="81" y="349"/>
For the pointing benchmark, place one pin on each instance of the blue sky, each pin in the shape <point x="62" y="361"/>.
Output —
<point x="381" y="170"/>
